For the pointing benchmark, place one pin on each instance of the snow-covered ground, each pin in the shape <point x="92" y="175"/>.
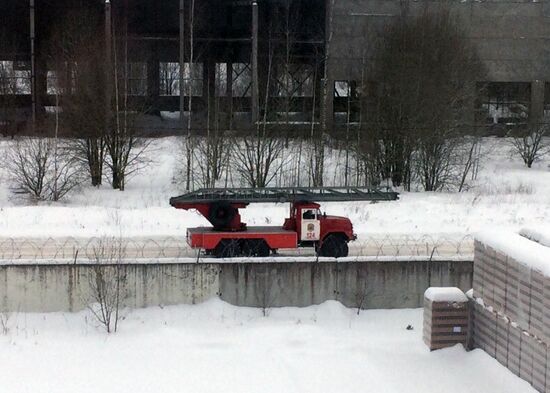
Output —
<point x="215" y="347"/>
<point x="506" y="195"/>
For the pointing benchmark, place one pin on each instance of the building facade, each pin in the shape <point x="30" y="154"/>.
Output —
<point x="237" y="63"/>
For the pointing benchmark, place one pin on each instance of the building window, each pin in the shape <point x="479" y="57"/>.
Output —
<point x="241" y="80"/>
<point x="297" y="80"/>
<point x="55" y="84"/>
<point x="137" y="79"/>
<point x="15" y="77"/>
<point x="346" y="102"/>
<point x="504" y="103"/>
<point x="170" y="79"/>
<point x="342" y="89"/>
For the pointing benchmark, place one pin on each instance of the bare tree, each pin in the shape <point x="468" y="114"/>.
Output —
<point x="471" y="152"/>
<point x="531" y="144"/>
<point x="126" y="150"/>
<point x="78" y="77"/>
<point x="257" y="155"/>
<point x="213" y="157"/>
<point x="189" y="141"/>
<point x="258" y="158"/>
<point x="107" y="283"/>
<point x="427" y="71"/>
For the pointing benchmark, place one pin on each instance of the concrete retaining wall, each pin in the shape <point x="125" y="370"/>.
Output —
<point x="400" y="284"/>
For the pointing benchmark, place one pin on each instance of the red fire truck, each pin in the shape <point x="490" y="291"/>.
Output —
<point x="306" y="226"/>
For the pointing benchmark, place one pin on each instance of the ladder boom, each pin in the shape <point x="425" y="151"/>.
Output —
<point x="286" y="194"/>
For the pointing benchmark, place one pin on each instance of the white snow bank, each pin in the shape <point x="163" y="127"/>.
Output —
<point x="521" y="249"/>
<point x="445" y="294"/>
<point x="539" y="235"/>
<point x="215" y="347"/>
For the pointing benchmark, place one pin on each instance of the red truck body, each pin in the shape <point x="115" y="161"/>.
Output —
<point x="275" y="237"/>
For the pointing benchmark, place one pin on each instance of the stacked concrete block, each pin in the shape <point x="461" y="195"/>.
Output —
<point x="488" y="265"/>
<point x="514" y="349"/>
<point x="446" y="318"/>
<point x="526" y="357"/>
<point x="511" y="308"/>
<point x="511" y="314"/>
<point x="536" y="314"/>
<point x="484" y="326"/>
<point x="501" y="340"/>
<point x="479" y="276"/>
<point x="546" y="312"/>
<point x="499" y="280"/>
<point x="539" y="365"/>
<point x="524" y="297"/>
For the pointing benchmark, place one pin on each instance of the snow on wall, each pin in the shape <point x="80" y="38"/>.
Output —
<point x="525" y="251"/>
<point x="539" y="235"/>
<point x="445" y="294"/>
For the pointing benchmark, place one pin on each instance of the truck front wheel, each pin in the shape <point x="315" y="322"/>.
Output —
<point x="334" y="246"/>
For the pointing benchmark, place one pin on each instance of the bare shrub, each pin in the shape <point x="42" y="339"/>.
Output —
<point x="40" y="169"/>
<point x="107" y="283"/>
<point x="531" y="144"/>
<point x="5" y="323"/>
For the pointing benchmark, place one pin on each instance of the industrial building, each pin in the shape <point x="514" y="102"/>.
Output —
<point x="245" y="62"/>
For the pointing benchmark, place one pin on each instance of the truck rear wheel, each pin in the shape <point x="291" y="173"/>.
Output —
<point x="334" y="246"/>
<point x="255" y="248"/>
<point x="227" y="248"/>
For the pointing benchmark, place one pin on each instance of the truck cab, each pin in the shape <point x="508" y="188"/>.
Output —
<point x="328" y="234"/>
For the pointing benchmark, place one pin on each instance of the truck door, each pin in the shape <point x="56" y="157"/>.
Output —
<point x="310" y="227"/>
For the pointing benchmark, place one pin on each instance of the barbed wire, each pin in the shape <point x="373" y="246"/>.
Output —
<point x="85" y="250"/>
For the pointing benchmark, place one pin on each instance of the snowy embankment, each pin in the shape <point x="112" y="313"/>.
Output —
<point x="505" y="195"/>
<point x="216" y="347"/>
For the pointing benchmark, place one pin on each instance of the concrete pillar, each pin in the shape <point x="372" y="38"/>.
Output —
<point x="32" y="34"/>
<point x="536" y="110"/>
<point x="327" y="110"/>
<point x="182" y="61"/>
<point x="209" y="89"/>
<point x="254" y="63"/>
<point x="327" y="84"/>
<point x="153" y="80"/>
<point x="108" y="62"/>
<point x="229" y="85"/>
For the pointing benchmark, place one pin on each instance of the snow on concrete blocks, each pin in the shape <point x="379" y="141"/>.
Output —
<point x="446" y="317"/>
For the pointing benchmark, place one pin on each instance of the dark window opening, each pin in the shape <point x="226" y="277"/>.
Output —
<point x="346" y="102"/>
<point x="15" y="77"/>
<point x="505" y="103"/>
